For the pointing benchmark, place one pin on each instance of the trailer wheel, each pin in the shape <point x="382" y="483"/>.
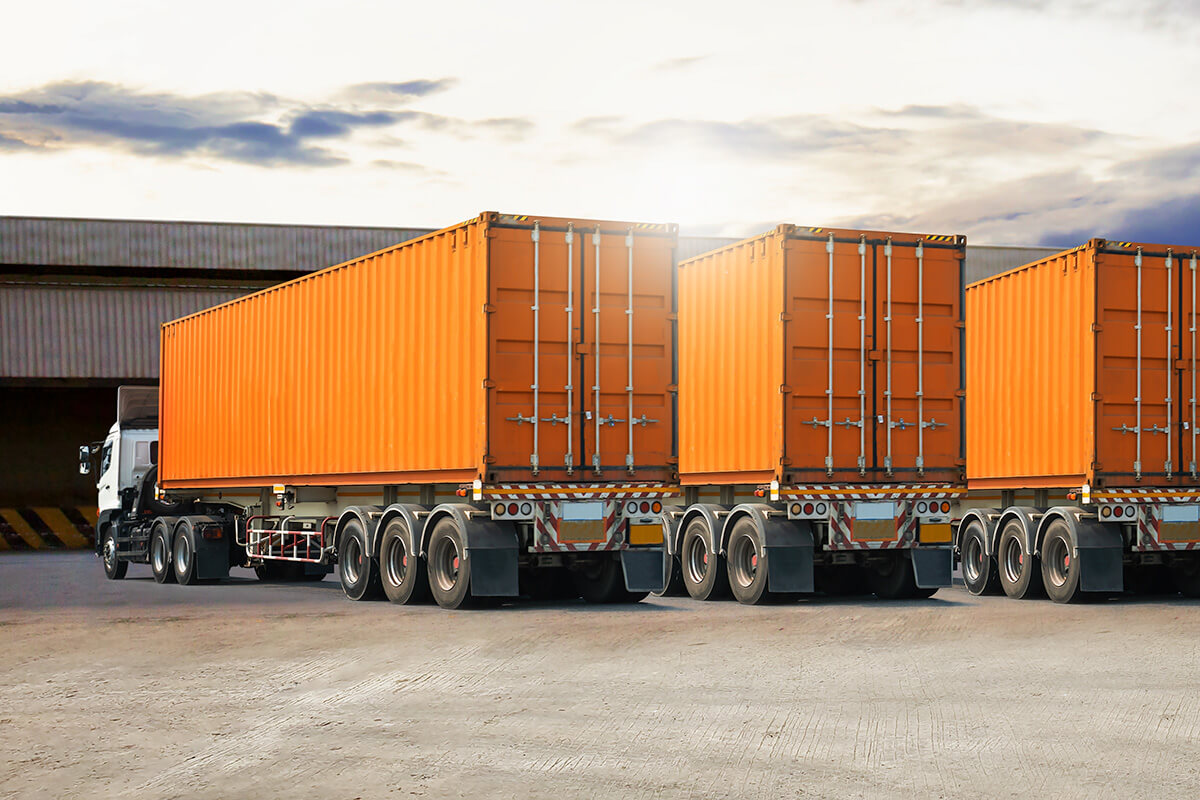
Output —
<point x="704" y="572"/>
<point x="358" y="571"/>
<point x="603" y="582"/>
<point x="183" y="556"/>
<point x="404" y="578"/>
<point x="114" y="567"/>
<point x="746" y="565"/>
<point x="1060" y="573"/>
<point x="1020" y="576"/>
<point x="892" y="578"/>
<point x="978" y="568"/>
<point x="160" y="555"/>
<point x="448" y="567"/>
<point x="1185" y="571"/>
<point x="674" y="587"/>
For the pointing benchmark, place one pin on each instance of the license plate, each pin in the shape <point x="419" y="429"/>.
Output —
<point x="875" y="511"/>
<point x="586" y="511"/>
<point x="1188" y="513"/>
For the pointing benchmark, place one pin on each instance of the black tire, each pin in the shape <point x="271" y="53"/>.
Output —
<point x="978" y="568"/>
<point x="1020" y="574"/>
<point x="1059" y="572"/>
<point x="746" y="565"/>
<point x="674" y="587"/>
<point x="1185" y="572"/>
<point x="312" y="577"/>
<point x="892" y="578"/>
<point x="359" y="572"/>
<point x="602" y="581"/>
<point x="160" y="555"/>
<point x="183" y="555"/>
<point x="114" y="567"/>
<point x="842" y="580"/>
<point x="402" y="573"/>
<point x="448" y="568"/>
<point x="704" y="574"/>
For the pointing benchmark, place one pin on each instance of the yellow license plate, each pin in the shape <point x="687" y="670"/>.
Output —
<point x="1179" y="531"/>
<point x="874" y="530"/>
<point x="645" y="534"/>
<point x="935" y="534"/>
<point x="580" y="531"/>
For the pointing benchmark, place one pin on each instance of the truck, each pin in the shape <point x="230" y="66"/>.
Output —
<point x="820" y="415"/>
<point x="1081" y="385"/>
<point x="482" y="412"/>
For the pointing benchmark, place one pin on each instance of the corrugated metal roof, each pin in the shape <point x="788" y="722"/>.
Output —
<point x="692" y="246"/>
<point x="55" y="242"/>
<point x="92" y="331"/>
<point x="986" y="260"/>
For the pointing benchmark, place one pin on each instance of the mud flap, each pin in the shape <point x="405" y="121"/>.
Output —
<point x="1100" y="550"/>
<point x="645" y="569"/>
<point x="932" y="566"/>
<point x="789" y="552"/>
<point x="492" y="548"/>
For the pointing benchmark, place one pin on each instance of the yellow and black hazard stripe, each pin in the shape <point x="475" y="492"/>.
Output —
<point x="816" y="230"/>
<point x="1126" y="245"/>
<point x="47" y="528"/>
<point x="940" y="238"/>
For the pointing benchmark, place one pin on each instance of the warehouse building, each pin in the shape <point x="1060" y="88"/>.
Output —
<point x="80" y="305"/>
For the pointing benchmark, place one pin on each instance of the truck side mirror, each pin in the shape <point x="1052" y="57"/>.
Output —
<point x="85" y="460"/>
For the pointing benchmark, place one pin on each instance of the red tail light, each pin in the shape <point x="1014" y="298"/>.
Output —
<point x="513" y="509"/>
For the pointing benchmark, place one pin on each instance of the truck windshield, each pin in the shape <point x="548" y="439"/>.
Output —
<point x="105" y="457"/>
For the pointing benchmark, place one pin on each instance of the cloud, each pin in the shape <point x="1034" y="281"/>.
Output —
<point x="406" y="167"/>
<point x="244" y="127"/>
<point x="1173" y="221"/>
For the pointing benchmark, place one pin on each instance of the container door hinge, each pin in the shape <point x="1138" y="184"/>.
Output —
<point x="488" y="308"/>
<point x="488" y="383"/>
<point x="785" y="389"/>
<point x="785" y="316"/>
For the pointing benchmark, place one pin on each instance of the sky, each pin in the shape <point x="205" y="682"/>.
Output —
<point x="1009" y="121"/>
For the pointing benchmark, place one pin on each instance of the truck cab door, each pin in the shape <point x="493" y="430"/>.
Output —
<point x="107" y="484"/>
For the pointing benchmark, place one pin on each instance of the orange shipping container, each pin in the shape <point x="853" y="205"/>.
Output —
<point x="1081" y="369"/>
<point x="813" y="355"/>
<point x="467" y="353"/>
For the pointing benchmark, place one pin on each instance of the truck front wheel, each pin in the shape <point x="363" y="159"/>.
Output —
<point x="160" y="555"/>
<point x="358" y="571"/>
<point x="114" y="568"/>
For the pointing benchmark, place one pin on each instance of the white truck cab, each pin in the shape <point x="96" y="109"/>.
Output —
<point x="130" y="449"/>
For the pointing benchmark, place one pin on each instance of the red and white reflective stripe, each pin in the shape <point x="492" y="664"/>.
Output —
<point x="1148" y="525"/>
<point x="546" y="521"/>
<point x="841" y="531"/>
<point x="885" y="492"/>
<point x="631" y="491"/>
<point x="1144" y="495"/>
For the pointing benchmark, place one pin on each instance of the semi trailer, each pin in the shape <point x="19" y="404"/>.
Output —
<point x="1081" y="386"/>
<point x="820" y="415"/>
<point x="481" y="412"/>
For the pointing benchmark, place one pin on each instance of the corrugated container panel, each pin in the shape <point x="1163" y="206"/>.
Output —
<point x="759" y="371"/>
<point x="1081" y="368"/>
<point x="986" y="260"/>
<point x="692" y="246"/>
<point x="186" y="245"/>
<point x="92" y="331"/>
<point x="417" y="364"/>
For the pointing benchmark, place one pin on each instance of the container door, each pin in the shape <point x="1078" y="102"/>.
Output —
<point x="626" y="428"/>
<point x="828" y="286"/>
<point x="1138" y="360"/>
<point x="917" y="379"/>
<point x="1189" y="340"/>
<point x="534" y="329"/>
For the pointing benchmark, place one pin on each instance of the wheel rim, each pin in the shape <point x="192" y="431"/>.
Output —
<point x="446" y="563"/>
<point x="697" y="560"/>
<point x="396" y="563"/>
<point x="1058" y="561"/>
<point x="352" y="562"/>
<point x="1014" y="560"/>
<point x="972" y="559"/>
<point x="110" y="553"/>
<point x="159" y="554"/>
<point x="744" y="560"/>
<point x="183" y="554"/>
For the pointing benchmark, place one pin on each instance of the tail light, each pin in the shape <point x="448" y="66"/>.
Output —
<point x="645" y="507"/>
<point x="808" y="508"/>
<point x="631" y="507"/>
<point x="513" y="509"/>
<point x="820" y="508"/>
<point x="526" y="509"/>
<point x="922" y="507"/>
<point x="656" y="506"/>
<point x="946" y="507"/>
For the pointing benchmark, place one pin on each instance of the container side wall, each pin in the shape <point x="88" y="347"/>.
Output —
<point x="730" y="364"/>
<point x="1030" y="374"/>
<point x="370" y="371"/>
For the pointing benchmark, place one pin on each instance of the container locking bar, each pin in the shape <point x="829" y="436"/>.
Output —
<point x="1167" y="466"/>
<point x="829" y="388"/>
<point x="596" y="387"/>
<point x="629" y="357"/>
<point x="536" y="235"/>
<point x="862" y="356"/>
<point x="887" y="392"/>
<point x="570" y="387"/>
<point x="921" y="357"/>
<point x="1192" y="332"/>
<point x="1137" y="459"/>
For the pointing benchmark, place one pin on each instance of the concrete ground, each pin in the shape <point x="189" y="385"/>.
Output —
<point x="131" y="689"/>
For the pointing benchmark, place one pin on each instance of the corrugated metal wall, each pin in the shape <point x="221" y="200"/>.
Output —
<point x="93" y="330"/>
<point x="984" y="261"/>
<point x="187" y="245"/>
